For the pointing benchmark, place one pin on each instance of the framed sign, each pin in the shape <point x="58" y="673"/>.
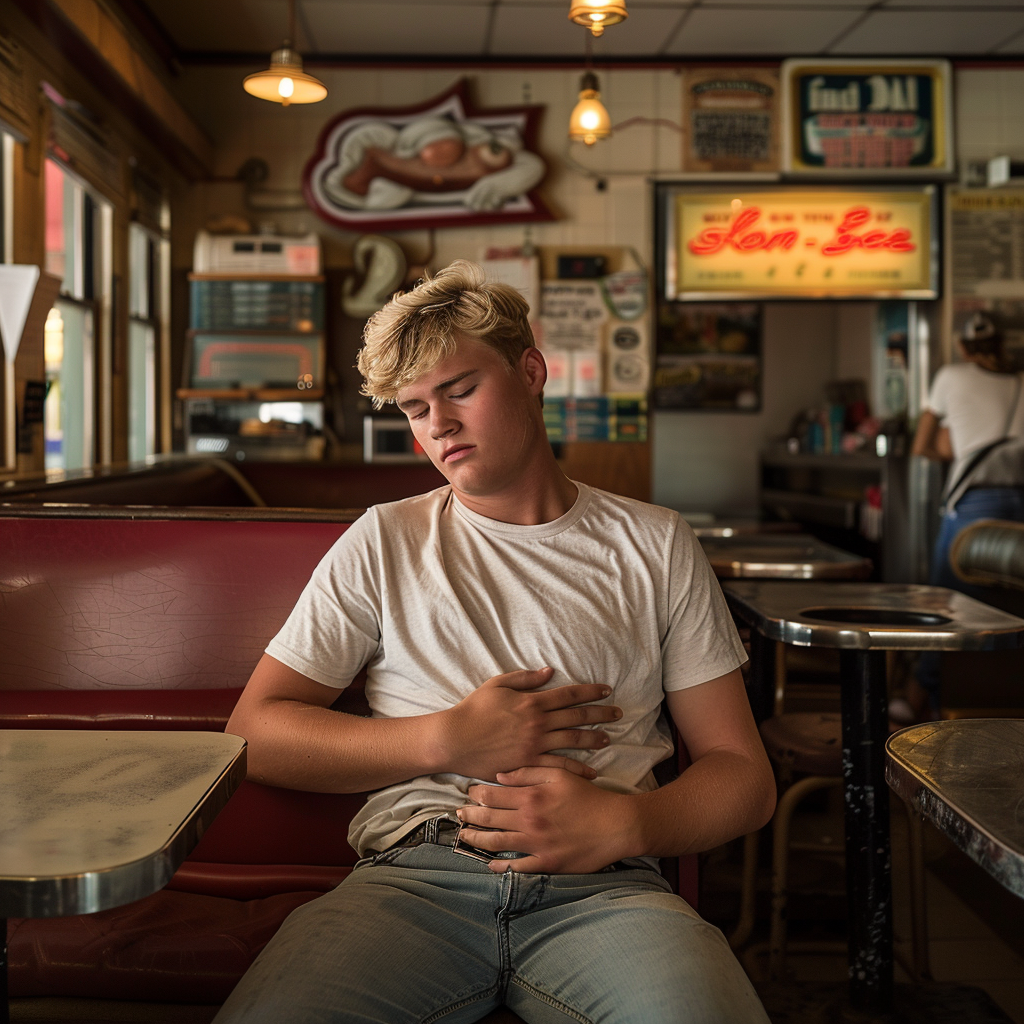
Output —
<point x="731" y="119"/>
<point x="799" y="243"/>
<point x="442" y="163"/>
<point x="708" y="357"/>
<point x="867" y="117"/>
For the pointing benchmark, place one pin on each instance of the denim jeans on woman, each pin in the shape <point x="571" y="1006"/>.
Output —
<point x="423" y="934"/>
<point x="977" y="503"/>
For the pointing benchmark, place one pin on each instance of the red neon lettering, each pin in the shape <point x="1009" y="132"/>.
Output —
<point x="739" y="237"/>
<point x="857" y="217"/>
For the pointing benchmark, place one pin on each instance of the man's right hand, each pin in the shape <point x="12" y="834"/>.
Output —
<point x="508" y="723"/>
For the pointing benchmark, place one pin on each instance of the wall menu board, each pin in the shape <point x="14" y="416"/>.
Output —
<point x="806" y="243"/>
<point x="867" y="117"/>
<point x="731" y="118"/>
<point x="987" y="254"/>
<point x="988" y="242"/>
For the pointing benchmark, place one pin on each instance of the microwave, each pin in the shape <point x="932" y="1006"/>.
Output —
<point x="390" y="439"/>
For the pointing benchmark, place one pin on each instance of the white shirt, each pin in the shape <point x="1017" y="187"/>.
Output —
<point x="435" y="599"/>
<point x="975" y="404"/>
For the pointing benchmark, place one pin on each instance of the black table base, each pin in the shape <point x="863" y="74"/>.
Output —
<point x="868" y="865"/>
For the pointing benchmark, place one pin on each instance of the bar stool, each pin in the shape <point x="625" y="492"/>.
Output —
<point x="809" y="744"/>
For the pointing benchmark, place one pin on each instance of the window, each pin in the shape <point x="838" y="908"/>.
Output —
<point x="6" y="198"/>
<point x="144" y="313"/>
<point x="77" y="251"/>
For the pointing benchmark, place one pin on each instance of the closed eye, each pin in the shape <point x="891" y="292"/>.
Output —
<point x="464" y="394"/>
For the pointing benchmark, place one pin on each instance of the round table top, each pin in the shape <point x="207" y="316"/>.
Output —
<point x="782" y="556"/>
<point x="872" y="616"/>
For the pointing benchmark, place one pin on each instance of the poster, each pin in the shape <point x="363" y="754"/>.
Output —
<point x="731" y="119"/>
<point x="571" y="315"/>
<point x="810" y="243"/>
<point x="867" y="117"/>
<point x="708" y="357"/>
<point x="987" y="254"/>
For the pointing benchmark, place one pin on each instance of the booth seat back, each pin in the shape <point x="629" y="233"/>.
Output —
<point x="113" y="623"/>
<point x="217" y="483"/>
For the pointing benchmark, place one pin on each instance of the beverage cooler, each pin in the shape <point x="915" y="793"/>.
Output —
<point x="254" y="368"/>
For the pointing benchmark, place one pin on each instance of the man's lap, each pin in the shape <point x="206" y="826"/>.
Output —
<point x="426" y="934"/>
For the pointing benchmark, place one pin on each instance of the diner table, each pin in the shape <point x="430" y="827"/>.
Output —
<point x="781" y="556"/>
<point x="711" y="526"/>
<point x="91" y="820"/>
<point x="864" y="620"/>
<point x="966" y="777"/>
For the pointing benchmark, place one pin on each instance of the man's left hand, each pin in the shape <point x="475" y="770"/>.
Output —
<point x="561" y="823"/>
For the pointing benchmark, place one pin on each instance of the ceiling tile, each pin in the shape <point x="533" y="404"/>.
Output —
<point x="1015" y="44"/>
<point x="248" y="26"/>
<point x="968" y="6"/>
<point x="405" y="27"/>
<point x="747" y="5"/>
<point x="524" y="30"/>
<point x="951" y="32"/>
<point x="708" y="31"/>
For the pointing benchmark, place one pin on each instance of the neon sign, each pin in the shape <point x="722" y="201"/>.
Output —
<point x="803" y="243"/>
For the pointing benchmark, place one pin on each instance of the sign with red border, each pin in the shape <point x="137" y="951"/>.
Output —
<point x="443" y="163"/>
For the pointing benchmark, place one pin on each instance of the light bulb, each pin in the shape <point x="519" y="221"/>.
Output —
<point x="590" y="120"/>
<point x="285" y="88"/>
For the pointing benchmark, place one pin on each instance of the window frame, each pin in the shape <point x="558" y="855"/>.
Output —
<point x="88" y="246"/>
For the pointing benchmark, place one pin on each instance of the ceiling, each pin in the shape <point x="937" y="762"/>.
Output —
<point x="198" y="31"/>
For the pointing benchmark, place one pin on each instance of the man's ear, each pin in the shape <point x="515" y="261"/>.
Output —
<point x="535" y="370"/>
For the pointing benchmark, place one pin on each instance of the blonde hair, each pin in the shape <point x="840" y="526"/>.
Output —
<point x="418" y="329"/>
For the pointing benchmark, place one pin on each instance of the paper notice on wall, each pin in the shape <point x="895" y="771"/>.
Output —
<point x="572" y="315"/>
<point x="559" y="380"/>
<point x="586" y="374"/>
<point x="522" y="273"/>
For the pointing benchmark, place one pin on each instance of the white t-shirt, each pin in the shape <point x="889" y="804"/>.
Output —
<point x="435" y="599"/>
<point x="974" y="404"/>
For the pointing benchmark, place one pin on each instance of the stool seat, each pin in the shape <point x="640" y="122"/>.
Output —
<point x="805" y="741"/>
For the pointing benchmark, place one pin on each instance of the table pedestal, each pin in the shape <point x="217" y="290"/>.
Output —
<point x="868" y="862"/>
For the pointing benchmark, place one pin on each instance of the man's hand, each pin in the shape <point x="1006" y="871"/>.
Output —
<point x="507" y="723"/>
<point x="563" y="824"/>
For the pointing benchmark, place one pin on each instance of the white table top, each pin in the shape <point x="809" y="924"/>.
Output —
<point x="91" y="820"/>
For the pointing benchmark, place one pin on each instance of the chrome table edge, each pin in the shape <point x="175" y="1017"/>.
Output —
<point x="91" y="891"/>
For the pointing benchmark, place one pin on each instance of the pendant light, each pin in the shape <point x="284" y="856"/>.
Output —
<point x="284" y="81"/>
<point x="589" y="120"/>
<point x="597" y="14"/>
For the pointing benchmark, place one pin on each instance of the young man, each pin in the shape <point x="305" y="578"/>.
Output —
<point x="520" y="633"/>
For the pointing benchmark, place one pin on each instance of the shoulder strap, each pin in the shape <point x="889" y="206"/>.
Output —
<point x="1013" y="408"/>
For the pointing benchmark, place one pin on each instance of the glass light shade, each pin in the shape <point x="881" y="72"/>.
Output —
<point x="284" y="81"/>
<point x="589" y="121"/>
<point x="597" y="14"/>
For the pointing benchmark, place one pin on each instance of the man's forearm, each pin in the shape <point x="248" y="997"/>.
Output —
<point x="566" y="825"/>
<point x="297" y="741"/>
<point x="722" y="796"/>
<point x="299" y="746"/>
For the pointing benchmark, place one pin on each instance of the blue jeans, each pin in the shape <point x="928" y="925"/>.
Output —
<point x="977" y="503"/>
<point x="423" y="934"/>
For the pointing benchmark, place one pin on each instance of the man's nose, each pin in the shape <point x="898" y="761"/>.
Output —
<point x="441" y="424"/>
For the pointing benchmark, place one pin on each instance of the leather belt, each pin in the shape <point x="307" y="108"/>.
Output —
<point x="445" y="831"/>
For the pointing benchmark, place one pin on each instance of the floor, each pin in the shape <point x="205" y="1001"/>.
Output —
<point x="975" y="927"/>
<point x="975" y="931"/>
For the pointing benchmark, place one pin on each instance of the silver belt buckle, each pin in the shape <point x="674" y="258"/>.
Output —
<point x="484" y="856"/>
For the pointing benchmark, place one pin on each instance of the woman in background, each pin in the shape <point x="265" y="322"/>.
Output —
<point x="972" y="405"/>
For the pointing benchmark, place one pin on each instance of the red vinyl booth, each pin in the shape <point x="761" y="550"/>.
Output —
<point x="143" y="619"/>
